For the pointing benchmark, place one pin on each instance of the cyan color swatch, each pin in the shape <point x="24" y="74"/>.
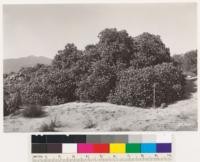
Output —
<point x="148" y="148"/>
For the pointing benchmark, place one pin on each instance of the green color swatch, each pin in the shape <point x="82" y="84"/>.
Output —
<point x="133" y="148"/>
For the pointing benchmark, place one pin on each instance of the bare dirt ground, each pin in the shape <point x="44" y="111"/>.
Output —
<point x="179" y="116"/>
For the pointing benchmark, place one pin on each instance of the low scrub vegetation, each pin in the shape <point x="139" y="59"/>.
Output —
<point x="119" y="68"/>
<point x="31" y="111"/>
<point x="90" y="124"/>
<point x="49" y="127"/>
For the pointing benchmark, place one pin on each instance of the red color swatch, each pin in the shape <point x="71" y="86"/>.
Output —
<point x="100" y="148"/>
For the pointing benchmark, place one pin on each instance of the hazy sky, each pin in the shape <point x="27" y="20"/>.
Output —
<point x="42" y="30"/>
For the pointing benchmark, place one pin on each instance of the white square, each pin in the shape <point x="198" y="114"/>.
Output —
<point x="164" y="138"/>
<point x="69" y="148"/>
<point x="148" y="138"/>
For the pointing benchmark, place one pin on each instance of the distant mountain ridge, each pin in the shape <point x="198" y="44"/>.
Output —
<point x="15" y="64"/>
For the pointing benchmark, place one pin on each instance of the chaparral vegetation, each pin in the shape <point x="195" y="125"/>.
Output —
<point x="119" y="68"/>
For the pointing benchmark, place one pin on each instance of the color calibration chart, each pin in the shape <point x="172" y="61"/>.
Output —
<point x="101" y="148"/>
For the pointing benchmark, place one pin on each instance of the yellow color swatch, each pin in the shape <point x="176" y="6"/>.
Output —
<point x="117" y="148"/>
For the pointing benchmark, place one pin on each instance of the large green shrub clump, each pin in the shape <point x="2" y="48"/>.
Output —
<point x="150" y="51"/>
<point x="119" y="68"/>
<point x="135" y="86"/>
<point x="55" y="87"/>
<point x="97" y="86"/>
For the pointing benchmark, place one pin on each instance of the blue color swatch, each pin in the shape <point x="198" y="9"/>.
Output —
<point x="148" y="148"/>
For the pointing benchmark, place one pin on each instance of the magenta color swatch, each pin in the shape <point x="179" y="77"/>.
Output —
<point x="85" y="148"/>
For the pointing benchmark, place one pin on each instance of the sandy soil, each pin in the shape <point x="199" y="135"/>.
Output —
<point x="180" y="116"/>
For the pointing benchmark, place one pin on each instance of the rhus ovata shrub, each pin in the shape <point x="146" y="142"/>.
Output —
<point x="98" y="85"/>
<point x="136" y="86"/>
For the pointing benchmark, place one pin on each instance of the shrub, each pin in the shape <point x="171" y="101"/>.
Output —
<point x="118" y="68"/>
<point x="190" y="61"/>
<point x="115" y="46"/>
<point x="29" y="85"/>
<point x="90" y="124"/>
<point x="50" y="127"/>
<point x="187" y="62"/>
<point x="35" y="92"/>
<point x="150" y="51"/>
<point x="97" y="86"/>
<point x="32" y="111"/>
<point x="66" y="58"/>
<point x="12" y="103"/>
<point x="136" y="86"/>
<point x="61" y="85"/>
<point x="55" y="87"/>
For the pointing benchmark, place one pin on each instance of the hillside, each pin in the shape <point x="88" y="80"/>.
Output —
<point x="78" y="116"/>
<point x="13" y="65"/>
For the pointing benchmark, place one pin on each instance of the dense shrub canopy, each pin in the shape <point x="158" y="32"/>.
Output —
<point x="116" y="46"/>
<point x="135" y="86"/>
<point x="54" y="87"/>
<point x="18" y="85"/>
<point x="98" y="85"/>
<point x="119" y="68"/>
<point x="67" y="57"/>
<point x="187" y="62"/>
<point x="150" y="51"/>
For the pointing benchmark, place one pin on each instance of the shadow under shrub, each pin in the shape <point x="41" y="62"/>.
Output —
<point x="135" y="87"/>
<point x="33" y="111"/>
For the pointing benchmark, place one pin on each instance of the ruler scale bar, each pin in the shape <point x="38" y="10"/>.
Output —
<point x="103" y="157"/>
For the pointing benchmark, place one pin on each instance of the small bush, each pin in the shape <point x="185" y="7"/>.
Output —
<point x="32" y="111"/>
<point x="90" y="124"/>
<point x="49" y="127"/>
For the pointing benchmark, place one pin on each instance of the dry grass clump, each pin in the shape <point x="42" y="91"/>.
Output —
<point x="49" y="127"/>
<point x="90" y="124"/>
